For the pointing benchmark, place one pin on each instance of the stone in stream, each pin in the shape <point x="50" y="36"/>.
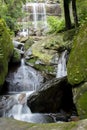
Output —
<point x="22" y="98"/>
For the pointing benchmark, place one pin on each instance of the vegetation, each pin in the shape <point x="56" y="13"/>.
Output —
<point x="74" y="40"/>
<point x="16" y="58"/>
<point x="10" y="11"/>
<point x="55" y="24"/>
<point x="6" y="50"/>
<point x="82" y="11"/>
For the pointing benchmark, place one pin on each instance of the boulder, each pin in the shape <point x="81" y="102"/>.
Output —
<point x="77" y="63"/>
<point x="54" y="96"/>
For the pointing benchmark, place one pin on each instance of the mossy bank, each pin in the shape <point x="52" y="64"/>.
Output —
<point x="80" y="99"/>
<point x="77" y="63"/>
<point x="6" y="50"/>
<point x="10" y="124"/>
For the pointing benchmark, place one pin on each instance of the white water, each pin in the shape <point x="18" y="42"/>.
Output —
<point x="17" y="108"/>
<point x="61" y="69"/>
<point x="24" y="78"/>
<point x="16" y="105"/>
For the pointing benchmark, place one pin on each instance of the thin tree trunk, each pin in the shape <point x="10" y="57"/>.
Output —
<point x="67" y="14"/>
<point x="75" y="12"/>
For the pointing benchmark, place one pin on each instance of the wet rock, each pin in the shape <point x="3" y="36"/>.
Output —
<point x="52" y="97"/>
<point x="18" y="44"/>
<point x="22" y="98"/>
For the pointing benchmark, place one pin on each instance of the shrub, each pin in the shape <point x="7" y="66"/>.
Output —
<point x="55" y="24"/>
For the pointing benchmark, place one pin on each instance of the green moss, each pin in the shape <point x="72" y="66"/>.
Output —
<point x="32" y="60"/>
<point x="82" y="106"/>
<point x="46" y="68"/>
<point x="10" y="124"/>
<point x="28" y="43"/>
<point x="16" y="57"/>
<point x="77" y="63"/>
<point x="46" y="48"/>
<point x="6" y="50"/>
<point x="43" y="68"/>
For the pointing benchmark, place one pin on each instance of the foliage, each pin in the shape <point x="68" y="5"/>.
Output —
<point x="56" y="24"/>
<point x="82" y="11"/>
<point x="10" y="11"/>
<point x="6" y="49"/>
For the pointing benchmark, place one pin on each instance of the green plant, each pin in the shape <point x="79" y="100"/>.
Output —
<point x="82" y="11"/>
<point x="55" y="24"/>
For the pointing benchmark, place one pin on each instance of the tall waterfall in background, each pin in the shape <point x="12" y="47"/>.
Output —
<point x="37" y="14"/>
<point x="61" y="69"/>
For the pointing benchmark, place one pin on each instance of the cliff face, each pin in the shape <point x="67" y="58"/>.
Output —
<point x="6" y="50"/>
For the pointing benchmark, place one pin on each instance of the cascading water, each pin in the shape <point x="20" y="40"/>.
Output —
<point x="24" y="78"/>
<point x="61" y="69"/>
<point x="22" y="82"/>
<point x="16" y="107"/>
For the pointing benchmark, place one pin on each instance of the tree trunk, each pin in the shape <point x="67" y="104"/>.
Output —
<point x="67" y="14"/>
<point x="75" y="12"/>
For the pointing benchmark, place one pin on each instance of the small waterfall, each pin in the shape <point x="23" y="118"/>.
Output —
<point x="61" y="69"/>
<point x="17" y="108"/>
<point x="23" y="78"/>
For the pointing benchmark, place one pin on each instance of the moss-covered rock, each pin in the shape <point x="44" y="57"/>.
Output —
<point x="39" y="65"/>
<point x="80" y="99"/>
<point x="6" y="50"/>
<point x="28" y="43"/>
<point x="16" y="58"/>
<point x="77" y="63"/>
<point x="46" y="49"/>
<point x="11" y="124"/>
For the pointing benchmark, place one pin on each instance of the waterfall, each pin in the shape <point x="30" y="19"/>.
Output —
<point x="61" y="69"/>
<point x="39" y="15"/>
<point x="34" y="6"/>
<point x="44" y="18"/>
<point x="38" y="12"/>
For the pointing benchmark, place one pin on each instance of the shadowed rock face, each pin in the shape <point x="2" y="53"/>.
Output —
<point x="53" y="97"/>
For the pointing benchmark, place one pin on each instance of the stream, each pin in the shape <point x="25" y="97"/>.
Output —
<point x="21" y="82"/>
